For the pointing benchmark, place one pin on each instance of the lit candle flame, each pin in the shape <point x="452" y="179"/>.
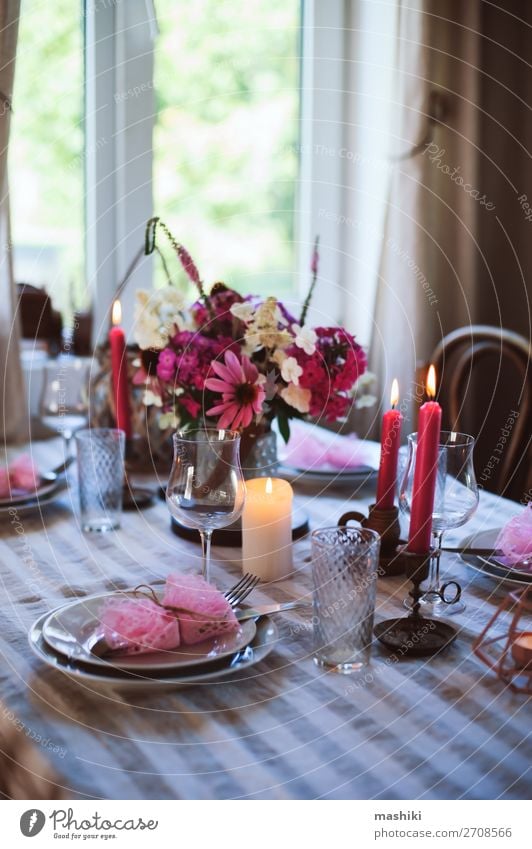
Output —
<point x="394" y="397"/>
<point x="431" y="382"/>
<point x="269" y="486"/>
<point x="116" y="314"/>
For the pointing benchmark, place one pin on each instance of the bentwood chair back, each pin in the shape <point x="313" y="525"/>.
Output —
<point x="485" y="380"/>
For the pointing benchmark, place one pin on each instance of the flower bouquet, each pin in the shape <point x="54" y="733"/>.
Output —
<point x="240" y="362"/>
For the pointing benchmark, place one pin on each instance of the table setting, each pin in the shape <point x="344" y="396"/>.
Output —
<point x="378" y="647"/>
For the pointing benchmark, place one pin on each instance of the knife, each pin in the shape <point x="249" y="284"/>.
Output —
<point x="478" y="552"/>
<point x="267" y="609"/>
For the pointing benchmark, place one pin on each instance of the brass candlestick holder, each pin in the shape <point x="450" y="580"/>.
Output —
<point x="413" y="635"/>
<point x="386" y="524"/>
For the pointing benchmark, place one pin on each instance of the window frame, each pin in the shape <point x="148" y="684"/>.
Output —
<point x="119" y="55"/>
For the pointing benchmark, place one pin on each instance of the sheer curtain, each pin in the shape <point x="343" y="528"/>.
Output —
<point x="446" y="195"/>
<point x="13" y="422"/>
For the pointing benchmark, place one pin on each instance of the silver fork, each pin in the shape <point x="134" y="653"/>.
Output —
<point x="241" y="589"/>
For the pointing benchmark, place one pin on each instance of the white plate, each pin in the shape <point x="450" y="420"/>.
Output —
<point x="493" y="569"/>
<point x="68" y="629"/>
<point x="260" y="647"/>
<point x="352" y="476"/>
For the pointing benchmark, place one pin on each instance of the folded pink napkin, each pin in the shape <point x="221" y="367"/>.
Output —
<point x="515" y="539"/>
<point x="138" y="625"/>
<point x="191" y="611"/>
<point x="312" y="447"/>
<point x="20" y="477"/>
<point x="204" y="611"/>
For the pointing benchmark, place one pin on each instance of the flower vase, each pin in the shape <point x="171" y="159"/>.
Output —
<point x="258" y="455"/>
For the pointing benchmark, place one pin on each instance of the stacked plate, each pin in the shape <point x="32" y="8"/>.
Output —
<point x="50" y="487"/>
<point x="494" y="565"/>
<point x="64" y="639"/>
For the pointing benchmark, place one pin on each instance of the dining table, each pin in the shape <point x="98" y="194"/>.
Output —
<point x="440" y="727"/>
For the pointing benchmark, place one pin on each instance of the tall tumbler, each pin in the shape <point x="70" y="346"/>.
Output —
<point x="100" y="477"/>
<point x="344" y="567"/>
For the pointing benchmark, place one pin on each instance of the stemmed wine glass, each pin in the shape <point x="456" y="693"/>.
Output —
<point x="64" y="405"/>
<point x="455" y="501"/>
<point x="206" y="487"/>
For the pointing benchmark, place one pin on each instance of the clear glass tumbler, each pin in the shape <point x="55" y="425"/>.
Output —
<point x="100" y="477"/>
<point x="344" y="567"/>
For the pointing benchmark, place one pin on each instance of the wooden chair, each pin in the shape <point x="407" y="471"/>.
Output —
<point x="38" y="318"/>
<point x="485" y="378"/>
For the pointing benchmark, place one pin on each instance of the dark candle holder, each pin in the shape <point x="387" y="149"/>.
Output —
<point x="386" y="524"/>
<point x="134" y="497"/>
<point x="413" y="635"/>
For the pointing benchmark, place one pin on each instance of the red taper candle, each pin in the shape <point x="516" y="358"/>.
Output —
<point x="117" y="342"/>
<point x="390" y="441"/>
<point x="425" y="472"/>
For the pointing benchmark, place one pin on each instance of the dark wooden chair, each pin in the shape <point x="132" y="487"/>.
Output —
<point x="38" y="318"/>
<point x="485" y="378"/>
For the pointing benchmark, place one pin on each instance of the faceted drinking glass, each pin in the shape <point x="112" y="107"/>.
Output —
<point x="100" y="477"/>
<point x="206" y="487"/>
<point x="344" y="568"/>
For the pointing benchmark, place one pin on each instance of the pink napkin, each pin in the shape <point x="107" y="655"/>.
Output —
<point x="191" y="611"/>
<point x="20" y="477"/>
<point x="204" y="611"/>
<point x="138" y="625"/>
<point x="312" y="447"/>
<point x="515" y="539"/>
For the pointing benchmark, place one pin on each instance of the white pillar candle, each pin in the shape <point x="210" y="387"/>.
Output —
<point x="267" y="529"/>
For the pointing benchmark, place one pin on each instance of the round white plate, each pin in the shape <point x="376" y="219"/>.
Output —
<point x="361" y="475"/>
<point x="70" y="630"/>
<point x="102" y="679"/>
<point x="493" y="569"/>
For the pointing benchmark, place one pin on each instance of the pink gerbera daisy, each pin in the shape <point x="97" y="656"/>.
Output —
<point x="242" y="393"/>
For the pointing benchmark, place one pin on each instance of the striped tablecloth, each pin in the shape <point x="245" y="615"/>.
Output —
<point x="414" y="729"/>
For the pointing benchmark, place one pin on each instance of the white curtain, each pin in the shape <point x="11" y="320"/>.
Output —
<point x="13" y="407"/>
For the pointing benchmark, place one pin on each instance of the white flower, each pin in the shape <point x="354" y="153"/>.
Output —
<point x="169" y="420"/>
<point x="150" y="399"/>
<point x="305" y="338"/>
<point x="291" y="371"/>
<point x="147" y="331"/>
<point x="157" y="314"/>
<point x="297" y="397"/>
<point x="365" y="401"/>
<point x="244" y="312"/>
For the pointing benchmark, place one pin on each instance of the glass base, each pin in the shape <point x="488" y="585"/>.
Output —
<point x="99" y="526"/>
<point x="345" y="668"/>
<point x="438" y="608"/>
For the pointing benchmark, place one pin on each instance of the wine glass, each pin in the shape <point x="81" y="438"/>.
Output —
<point x="206" y="487"/>
<point x="455" y="501"/>
<point x="64" y="405"/>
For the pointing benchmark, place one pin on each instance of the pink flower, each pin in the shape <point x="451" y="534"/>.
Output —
<point x="188" y="264"/>
<point x="166" y="365"/>
<point x="242" y="394"/>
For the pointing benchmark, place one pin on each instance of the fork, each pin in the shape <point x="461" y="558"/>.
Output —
<point x="241" y="589"/>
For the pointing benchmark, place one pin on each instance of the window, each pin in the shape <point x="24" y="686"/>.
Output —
<point x="217" y="89"/>
<point x="46" y="153"/>
<point x="226" y="137"/>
